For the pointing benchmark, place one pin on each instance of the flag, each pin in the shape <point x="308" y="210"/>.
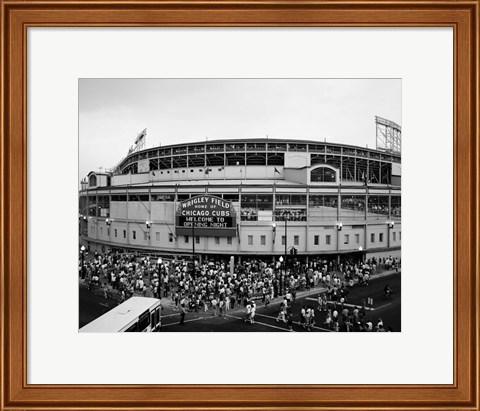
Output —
<point x="277" y="170"/>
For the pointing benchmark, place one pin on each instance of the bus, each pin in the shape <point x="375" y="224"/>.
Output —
<point x="137" y="314"/>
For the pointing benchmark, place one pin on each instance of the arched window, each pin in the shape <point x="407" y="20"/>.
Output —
<point x="323" y="175"/>
<point x="92" y="180"/>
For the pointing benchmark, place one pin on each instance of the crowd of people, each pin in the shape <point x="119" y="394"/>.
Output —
<point x="212" y="286"/>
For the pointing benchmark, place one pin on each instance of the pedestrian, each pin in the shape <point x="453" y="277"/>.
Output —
<point x="303" y="317"/>
<point x="248" y="313"/>
<point x="182" y="314"/>
<point x="281" y="314"/>
<point x="290" y="321"/>
<point x="252" y="314"/>
<point x="320" y="303"/>
<point x="214" y="306"/>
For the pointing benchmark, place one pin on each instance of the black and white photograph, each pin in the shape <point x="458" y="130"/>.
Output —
<point x="239" y="205"/>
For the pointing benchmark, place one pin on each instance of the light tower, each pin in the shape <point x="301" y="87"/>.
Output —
<point x="389" y="135"/>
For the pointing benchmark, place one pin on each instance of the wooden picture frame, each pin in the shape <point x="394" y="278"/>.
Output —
<point x="18" y="15"/>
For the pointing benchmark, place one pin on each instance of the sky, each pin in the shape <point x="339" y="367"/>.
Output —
<point x="112" y="112"/>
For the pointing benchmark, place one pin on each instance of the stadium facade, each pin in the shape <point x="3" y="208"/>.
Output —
<point x="249" y="197"/>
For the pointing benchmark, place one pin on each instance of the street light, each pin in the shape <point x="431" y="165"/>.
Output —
<point x="390" y="224"/>
<point x="82" y="253"/>
<point x="286" y="219"/>
<point x="193" y="246"/>
<point x="281" y="275"/>
<point x="159" y="263"/>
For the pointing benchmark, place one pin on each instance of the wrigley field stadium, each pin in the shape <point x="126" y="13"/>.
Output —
<point x="257" y="196"/>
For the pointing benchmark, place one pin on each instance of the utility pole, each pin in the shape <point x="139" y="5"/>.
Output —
<point x="286" y="247"/>
<point x="193" y="244"/>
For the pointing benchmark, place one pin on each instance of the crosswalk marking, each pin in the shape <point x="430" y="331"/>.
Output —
<point x="384" y="305"/>
<point x="186" y="321"/>
<point x="294" y="322"/>
<point x="257" y="322"/>
<point x="345" y="304"/>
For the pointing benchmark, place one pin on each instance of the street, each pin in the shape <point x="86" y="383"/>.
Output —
<point x="93" y="304"/>
<point x="265" y="318"/>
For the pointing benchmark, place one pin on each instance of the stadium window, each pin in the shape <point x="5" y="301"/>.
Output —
<point x="231" y="197"/>
<point x="353" y="206"/>
<point x="163" y="197"/>
<point x="217" y="240"/>
<point x="138" y="197"/>
<point x="186" y="239"/>
<point x="119" y="198"/>
<point x="116" y="233"/>
<point x="229" y="240"/>
<point x="108" y="232"/>
<point x="92" y="180"/>
<point x="328" y="239"/>
<point x="262" y="240"/>
<point x="372" y="238"/>
<point x="318" y="201"/>
<point x="183" y="197"/>
<point x="296" y="239"/>
<point x="170" y="237"/>
<point x="394" y="236"/>
<point x="124" y="233"/>
<point x="197" y="239"/>
<point x="157" y="236"/>
<point x="145" y="235"/>
<point x="357" y="238"/>
<point x="101" y="230"/>
<point x="346" y="239"/>
<point x="380" y="239"/>
<point x="250" y="240"/>
<point x="252" y="204"/>
<point x="282" y="199"/>
<point x="134" y="234"/>
<point x="298" y="199"/>
<point x="322" y="174"/>
<point x="316" y="239"/>
<point x="396" y="206"/>
<point x="400" y="235"/>
<point x="283" y="240"/>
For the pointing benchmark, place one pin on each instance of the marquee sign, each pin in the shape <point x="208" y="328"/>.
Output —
<point x="206" y="215"/>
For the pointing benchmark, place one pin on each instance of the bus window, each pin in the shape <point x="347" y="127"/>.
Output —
<point x="153" y="323"/>
<point x="132" y="328"/>
<point x="144" y="321"/>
